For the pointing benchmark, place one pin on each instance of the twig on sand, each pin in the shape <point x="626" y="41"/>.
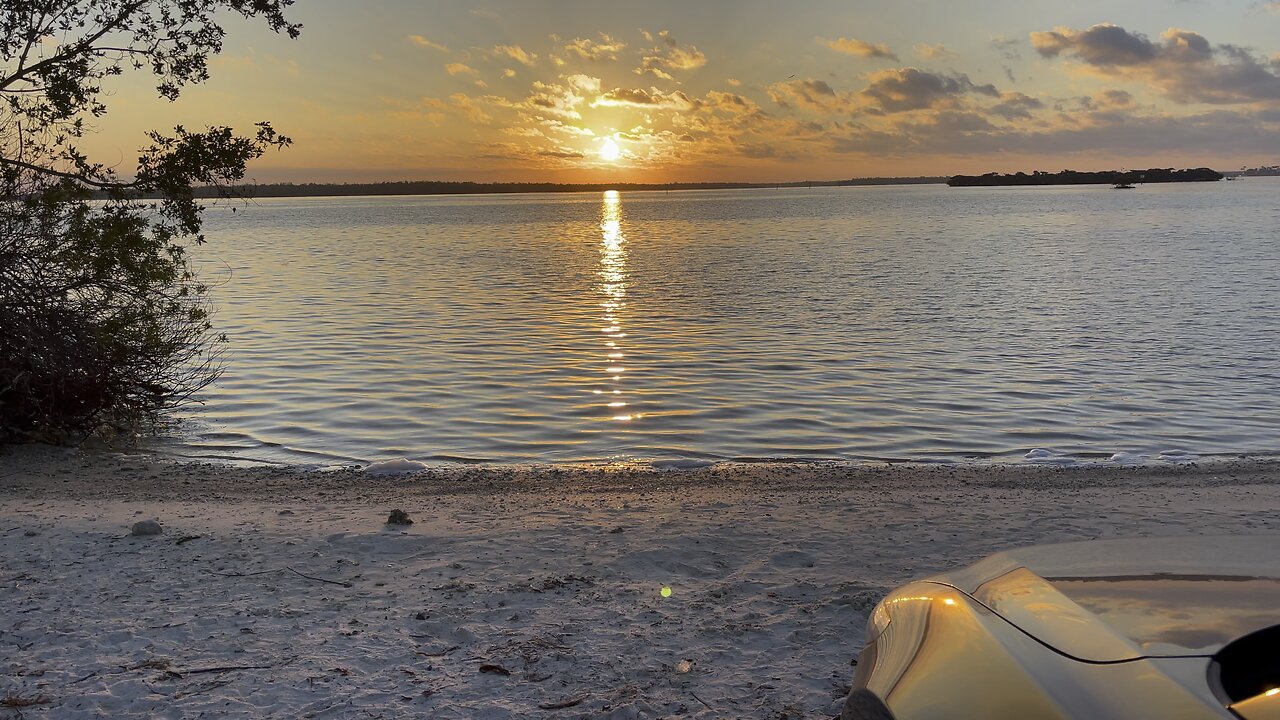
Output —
<point x="704" y="702"/>
<point x="563" y="704"/>
<point x="341" y="583"/>
<point x="186" y="539"/>
<point x="317" y="579"/>
<point x="228" y="668"/>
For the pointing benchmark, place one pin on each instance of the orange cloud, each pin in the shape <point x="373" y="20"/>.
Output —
<point x="425" y="43"/>
<point x="862" y="48"/>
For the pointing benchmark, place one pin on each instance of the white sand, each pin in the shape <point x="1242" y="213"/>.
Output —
<point x="554" y="576"/>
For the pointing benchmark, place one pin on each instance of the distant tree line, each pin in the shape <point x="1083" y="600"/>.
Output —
<point x="1263" y="171"/>
<point x="442" y="187"/>
<point x="1074" y="177"/>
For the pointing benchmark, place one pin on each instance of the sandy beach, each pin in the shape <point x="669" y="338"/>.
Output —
<point x="516" y="592"/>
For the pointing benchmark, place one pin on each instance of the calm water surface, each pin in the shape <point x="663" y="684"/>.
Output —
<point x="917" y="322"/>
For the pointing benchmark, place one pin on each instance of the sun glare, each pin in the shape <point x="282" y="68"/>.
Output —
<point x="609" y="150"/>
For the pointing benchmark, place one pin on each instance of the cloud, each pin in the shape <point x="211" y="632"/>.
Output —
<point x="730" y="102"/>
<point x="554" y="100"/>
<point x="661" y="62"/>
<point x="734" y="82"/>
<point x="906" y="89"/>
<point x="1109" y="100"/>
<point x="584" y="83"/>
<point x="862" y="48"/>
<point x="567" y="129"/>
<point x="1097" y="133"/>
<point x="468" y="107"/>
<point x="562" y="153"/>
<point x="925" y="51"/>
<point x="808" y="94"/>
<point x="1015" y="106"/>
<point x="1007" y="47"/>
<point x="758" y="151"/>
<point x="1101" y="45"/>
<point x="652" y="98"/>
<point x="425" y="43"/>
<point x="517" y="53"/>
<point x="508" y="73"/>
<point x="1183" y="65"/>
<point x="459" y="69"/>
<point x="606" y="48"/>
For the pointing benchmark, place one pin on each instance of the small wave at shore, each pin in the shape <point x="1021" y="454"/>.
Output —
<point x="407" y="463"/>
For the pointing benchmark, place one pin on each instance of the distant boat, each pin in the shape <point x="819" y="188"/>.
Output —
<point x="1122" y="186"/>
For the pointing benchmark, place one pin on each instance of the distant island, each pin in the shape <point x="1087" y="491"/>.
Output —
<point x="442" y="187"/>
<point x="1263" y="171"/>
<point x="1073" y="177"/>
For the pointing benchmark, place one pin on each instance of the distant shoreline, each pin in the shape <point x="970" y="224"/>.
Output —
<point x="442" y="187"/>
<point x="1072" y="177"/>
<point x="428" y="187"/>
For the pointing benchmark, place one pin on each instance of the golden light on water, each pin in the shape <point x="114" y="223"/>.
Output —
<point x="613" y="288"/>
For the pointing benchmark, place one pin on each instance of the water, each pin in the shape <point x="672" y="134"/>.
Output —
<point x="917" y="322"/>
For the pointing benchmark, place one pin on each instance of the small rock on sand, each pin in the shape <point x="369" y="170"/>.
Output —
<point x="146" y="527"/>
<point x="399" y="517"/>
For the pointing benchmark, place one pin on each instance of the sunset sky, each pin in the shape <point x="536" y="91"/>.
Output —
<point x="736" y="90"/>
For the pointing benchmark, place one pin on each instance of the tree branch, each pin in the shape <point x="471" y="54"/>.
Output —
<point x="70" y="176"/>
<point x="79" y="48"/>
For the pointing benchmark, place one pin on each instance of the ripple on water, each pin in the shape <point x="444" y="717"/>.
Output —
<point x="909" y="323"/>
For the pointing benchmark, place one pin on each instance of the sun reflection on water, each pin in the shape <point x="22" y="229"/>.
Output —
<point x="613" y="291"/>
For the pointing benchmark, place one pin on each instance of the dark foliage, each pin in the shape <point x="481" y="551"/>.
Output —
<point x="1073" y="177"/>
<point x="103" y="323"/>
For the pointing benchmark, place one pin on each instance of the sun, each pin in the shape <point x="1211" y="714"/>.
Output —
<point x="609" y="150"/>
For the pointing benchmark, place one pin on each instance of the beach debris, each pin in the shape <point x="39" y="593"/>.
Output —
<point x="18" y="701"/>
<point x="340" y="583"/>
<point x="186" y="539"/>
<point x="552" y="582"/>
<point x="563" y="703"/>
<point x="394" y="467"/>
<point x="146" y="527"/>
<point x="684" y="666"/>
<point x="494" y="669"/>
<point x="31" y="533"/>
<point x="617" y="530"/>
<point x="438" y="653"/>
<point x="399" y="517"/>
